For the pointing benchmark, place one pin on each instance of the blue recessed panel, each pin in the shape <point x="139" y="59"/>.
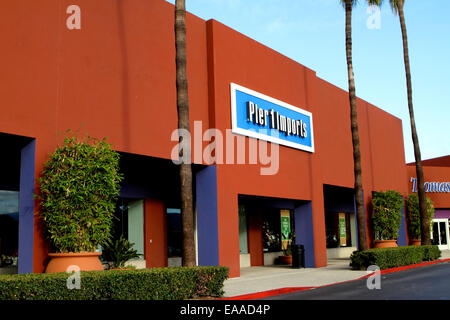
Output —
<point x="304" y="233"/>
<point x="26" y="208"/>
<point x="207" y="219"/>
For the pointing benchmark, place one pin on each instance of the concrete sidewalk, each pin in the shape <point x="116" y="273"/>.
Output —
<point x="445" y="254"/>
<point x="260" y="279"/>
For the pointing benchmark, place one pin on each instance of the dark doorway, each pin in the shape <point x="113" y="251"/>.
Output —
<point x="16" y="203"/>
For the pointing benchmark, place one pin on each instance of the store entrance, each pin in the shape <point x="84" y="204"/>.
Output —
<point x="440" y="234"/>
<point x="340" y="222"/>
<point x="266" y="231"/>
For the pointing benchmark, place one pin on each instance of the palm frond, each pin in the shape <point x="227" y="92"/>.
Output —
<point x="354" y="2"/>
<point x="377" y="3"/>
<point x="394" y="5"/>
<point x="370" y="2"/>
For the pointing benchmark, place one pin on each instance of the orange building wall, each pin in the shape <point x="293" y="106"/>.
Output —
<point x="116" y="77"/>
<point x="113" y="78"/>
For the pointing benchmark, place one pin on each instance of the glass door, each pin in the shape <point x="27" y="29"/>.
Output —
<point x="440" y="234"/>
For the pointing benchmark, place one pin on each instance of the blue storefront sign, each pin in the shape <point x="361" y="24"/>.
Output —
<point x="259" y="116"/>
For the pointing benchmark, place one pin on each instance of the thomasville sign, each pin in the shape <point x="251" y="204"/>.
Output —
<point x="443" y="187"/>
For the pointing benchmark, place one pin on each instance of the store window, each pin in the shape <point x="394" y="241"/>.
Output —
<point x="243" y="241"/>
<point x="340" y="229"/>
<point x="278" y="226"/>
<point x="174" y="233"/>
<point x="9" y="231"/>
<point x="129" y="223"/>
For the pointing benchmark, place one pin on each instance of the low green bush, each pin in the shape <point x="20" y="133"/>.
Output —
<point x="386" y="258"/>
<point x="145" y="284"/>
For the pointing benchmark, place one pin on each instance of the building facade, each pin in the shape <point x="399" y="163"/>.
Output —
<point x="108" y="68"/>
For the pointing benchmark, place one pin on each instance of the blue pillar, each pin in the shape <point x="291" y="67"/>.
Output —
<point x="402" y="241"/>
<point x="304" y="232"/>
<point x="207" y="220"/>
<point x="26" y="208"/>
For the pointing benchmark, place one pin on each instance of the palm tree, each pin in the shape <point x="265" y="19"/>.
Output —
<point x="187" y="212"/>
<point x="362" y="240"/>
<point x="397" y="7"/>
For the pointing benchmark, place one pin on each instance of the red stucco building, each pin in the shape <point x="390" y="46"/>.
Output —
<point x="113" y="75"/>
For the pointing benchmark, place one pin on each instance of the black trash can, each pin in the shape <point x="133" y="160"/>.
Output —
<point x="298" y="256"/>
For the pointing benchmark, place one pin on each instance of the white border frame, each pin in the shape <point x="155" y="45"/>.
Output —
<point x="248" y="133"/>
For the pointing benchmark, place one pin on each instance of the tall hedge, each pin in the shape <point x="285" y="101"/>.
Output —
<point x="413" y="215"/>
<point x="386" y="215"/>
<point x="78" y="190"/>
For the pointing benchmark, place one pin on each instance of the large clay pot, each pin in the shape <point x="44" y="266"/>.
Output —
<point x="86" y="261"/>
<point x="385" y="243"/>
<point x="285" y="259"/>
<point x="415" y="242"/>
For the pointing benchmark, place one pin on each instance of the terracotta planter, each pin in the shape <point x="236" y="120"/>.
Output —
<point x="86" y="261"/>
<point x="285" y="259"/>
<point x="415" y="242"/>
<point x="385" y="243"/>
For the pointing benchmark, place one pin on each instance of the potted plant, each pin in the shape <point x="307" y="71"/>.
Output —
<point x="78" y="190"/>
<point x="386" y="218"/>
<point x="118" y="252"/>
<point x="286" y="258"/>
<point x="413" y="218"/>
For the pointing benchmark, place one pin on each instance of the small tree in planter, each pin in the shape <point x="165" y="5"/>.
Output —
<point x="386" y="217"/>
<point x="413" y="217"/>
<point x="119" y="252"/>
<point x="78" y="190"/>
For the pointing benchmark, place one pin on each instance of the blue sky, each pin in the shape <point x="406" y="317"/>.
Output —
<point x="311" y="32"/>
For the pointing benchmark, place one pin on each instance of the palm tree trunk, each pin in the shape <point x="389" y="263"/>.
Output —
<point x="187" y="213"/>
<point x="424" y="220"/>
<point x="362" y="241"/>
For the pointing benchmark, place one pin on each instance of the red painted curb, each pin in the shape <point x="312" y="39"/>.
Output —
<point x="275" y="292"/>
<point x="269" y="293"/>
<point x="412" y="266"/>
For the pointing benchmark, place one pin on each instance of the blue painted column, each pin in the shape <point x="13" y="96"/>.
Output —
<point x="402" y="241"/>
<point x="26" y="208"/>
<point x="207" y="219"/>
<point x="304" y="232"/>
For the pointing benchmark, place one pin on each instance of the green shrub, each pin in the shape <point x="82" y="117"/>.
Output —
<point x="413" y="215"/>
<point x="387" y="214"/>
<point x="386" y="258"/>
<point x="119" y="252"/>
<point x="144" y="284"/>
<point x="78" y="190"/>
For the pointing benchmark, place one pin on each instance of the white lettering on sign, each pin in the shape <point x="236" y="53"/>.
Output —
<point x="74" y="20"/>
<point x="432" y="186"/>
